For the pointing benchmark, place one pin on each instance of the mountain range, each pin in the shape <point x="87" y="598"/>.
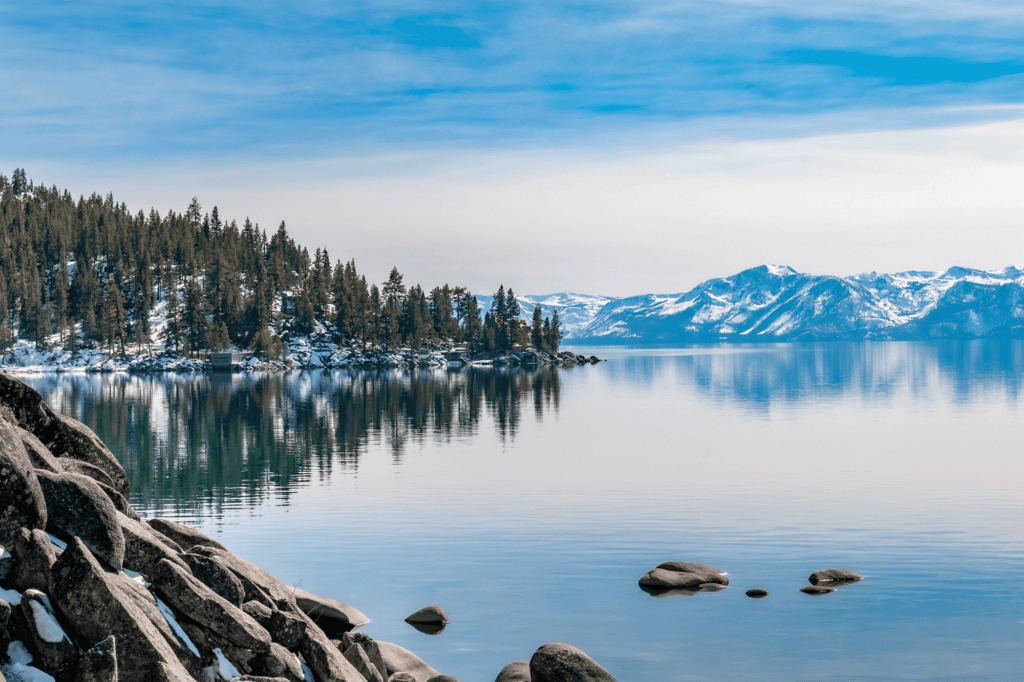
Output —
<point x="776" y="303"/>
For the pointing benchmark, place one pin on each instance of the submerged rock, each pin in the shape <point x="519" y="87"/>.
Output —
<point x="757" y="593"/>
<point x="77" y="507"/>
<point x="816" y="590"/>
<point x="564" y="663"/>
<point x="834" y="575"/>
<point x="683" y="575"/>
<point x="22" y="503"/>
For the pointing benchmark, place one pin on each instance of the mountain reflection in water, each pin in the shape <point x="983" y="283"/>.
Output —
<point x="196" y="441"/>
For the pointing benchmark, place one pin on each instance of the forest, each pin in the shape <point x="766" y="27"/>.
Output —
<point x="89" y="273"/>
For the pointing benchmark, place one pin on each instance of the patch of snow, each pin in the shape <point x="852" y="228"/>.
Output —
<point x="307" y="673"/>
<point x="12" y="597"/>
<point x="57" y="542"/>
<point x="42" y="615"/>
<point x="173" y="622"/>
<point x="137" y="577"/>
<point x="18" y="669"/>
<point x="5" y="554"/>
<point x="224" y="669"/>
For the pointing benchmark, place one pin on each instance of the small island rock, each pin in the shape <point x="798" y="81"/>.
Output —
<point x="757" y="593"/>
<point x="816" y="590"/>
<point x="433" y="615"/>
<point x="836" y="575"/>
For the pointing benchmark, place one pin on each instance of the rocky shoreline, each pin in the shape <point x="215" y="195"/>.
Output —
<point x="317" y="351"/>
<point x="91" y="592"/>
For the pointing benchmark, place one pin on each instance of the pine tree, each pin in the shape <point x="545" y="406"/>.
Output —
<point x="537" y="330"/>
<point x="173" y="330"/>
<point x="114" y="319"/>
<point x="194" y="317"/>
<point x="555" y="335"/>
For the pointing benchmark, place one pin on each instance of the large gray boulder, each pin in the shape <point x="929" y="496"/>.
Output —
<point x="73" y="466"/>
<point x="77" y="507"/>
<point x="370" y="646"/>
<point x="40" y="457"/>
<point x="433" y="615"/>
<point x="120" y="503"/>
<point x="185" y="536"/>
<point x="399" y="660"/>
<point x="99" y="664"/>
<point x="22" y="504"/>
<point x="213" y="573"/>
<point x="254" y="579"/>
<point x="278" y="662"/>
<point x="287" y="629"/>
<point x="564" y="663"/>
<point x="682" y="575"/>
<point x="97" y="604"/>
<point x="358" y="658"/>
<point x="142" y="549"/>
<point x="33" y="558"/>
<point x="331" y="615"/>
<point x="69" y="438"/>
<point x="57" y="653"/>
<point x="179" y="588"/>
<point x="25" y="404"/>
<point x="834" y="575"/>
<point x="325" y="660"/>
<point x="518" y="671"/>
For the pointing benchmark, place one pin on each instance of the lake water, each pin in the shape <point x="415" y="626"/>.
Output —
<point x="529" y="504"/>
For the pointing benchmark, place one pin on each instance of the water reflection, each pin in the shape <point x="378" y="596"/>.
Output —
<point x="196" y="442"/>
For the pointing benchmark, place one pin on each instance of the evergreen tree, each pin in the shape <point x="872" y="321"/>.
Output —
<point x="173" y="330"/>
<point x="537" y="329"/>
<point x="194" y="317"/>
<point x="555" y="334"/>
<point x="113" y="320"/>
<point x="390" y="327"/>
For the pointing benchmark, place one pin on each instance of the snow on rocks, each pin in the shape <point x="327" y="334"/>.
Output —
<point x="57" y="652"/>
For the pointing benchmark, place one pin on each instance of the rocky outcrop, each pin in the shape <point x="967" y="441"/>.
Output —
<point x="40" y="457"/>
<point x="22" y="504"/>
<point x="371" y="648"/>
<point x="97" y="604"/>
<point x="564" y="663"/>
<point x="258" y="584"/>
<point x="682" y="575"/>
<point x="99" y="664"/>
<point x="185" y="537"/>
<point x="330" y="615"/>
<point x="834" y="575"/>
<point x="77" y="507"/>
<point x="71" y="439"/>
<point x="399" y="660"/>
<point x="57" y="652"/>
<point x="33" y="558"/>
<point x="518" y="671"/>
<point x="212" y="572"/>
<point x="143" y="550"/>
<point x="361" y="662"/>
<point x="73" y="466"/>
<point x="25" y="404"/>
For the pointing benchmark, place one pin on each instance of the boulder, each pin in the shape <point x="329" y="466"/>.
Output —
<point x="816" y="590"/>
<point x="218" y="577"/>
<point x="682" y="575"/>
<point x="142" y="549"/>
<point x="77" y="507"/>
<point x="401" y="677"/>
<point x="278" y="662"/>
<point x="73" y="466"/>
<point x="370" y="647"/>
<point x="69" y="438"/>
<point x="399" y="660"/>
<point x="22" y="503"/>
<point x="358" y="658"/>
<point x="256" y="582"/>
<point x="330" y="615"/>
<point x="99" y="664"/>
<point x="184" y="536"/>
<point x="33" y="558"/>
<point x="429" y="628"/>
<point x="564" y="663"/>
<point x="834" y="575"/>
<point x="182" y="591"/>
<point x="120" y="504"/>
<point x="757" y="593"/>
<point x="260" y="612"/>
<point x="40" y="457"/>
<point x="287" y="629"/>
<point x="58" y="655"/>
<point x="97" y="604"/>
<point x="325" y="660"/>
<point x="433" y="615"/>
<point x="514" y="672"/>
<point x="25" y="404"/>
<point x="442" y="678"/>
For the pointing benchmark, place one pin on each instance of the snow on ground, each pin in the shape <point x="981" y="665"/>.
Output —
<point x="18" y="668"/>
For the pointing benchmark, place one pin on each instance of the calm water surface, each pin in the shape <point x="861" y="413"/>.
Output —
<point x="528" y="504"/>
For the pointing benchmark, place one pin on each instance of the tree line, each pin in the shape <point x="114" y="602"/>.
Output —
<point x="90" y="273"/>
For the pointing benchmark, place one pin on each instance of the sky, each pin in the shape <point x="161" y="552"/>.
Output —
<point x="613" y="148"/>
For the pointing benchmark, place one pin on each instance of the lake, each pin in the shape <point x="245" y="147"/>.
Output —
<point x="528" y="504"/>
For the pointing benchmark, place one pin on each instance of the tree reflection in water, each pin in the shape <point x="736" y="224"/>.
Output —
<point x="195" y="443"/>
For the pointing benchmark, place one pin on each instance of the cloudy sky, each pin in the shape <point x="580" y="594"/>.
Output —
<point x="600" y="147"/>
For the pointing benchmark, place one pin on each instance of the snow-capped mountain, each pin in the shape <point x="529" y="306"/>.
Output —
<point x="574" y="310"/>
<point x="777" y="303"/>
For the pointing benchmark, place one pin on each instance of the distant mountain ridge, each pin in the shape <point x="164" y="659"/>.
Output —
<point x="777" y="303"/>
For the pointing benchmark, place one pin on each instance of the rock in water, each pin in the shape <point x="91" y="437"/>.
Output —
<point x="214" y="574"/>
<point x="563" y="663"/>
<point x="816" y="590"/>
<point x="96" y="605"/>
<point x="399" y="660"/>
<point x="682" y="575"/>
<point x="757" y="593"/>
<point x="332" y="616"/>
<point x="99" y="664"/>
<point x="33" y="558"/>
<point x="57" y="652"/>
<point x="69" y="438"/>
<point x="179" y="588"/>
<point x="433" y="615"/>
<point x="185" y="537"/>
<point x="515" y="672"/>
<point x="22" y="503"/>
<point x="834" y="575"/>
<point x="77" y="507"/>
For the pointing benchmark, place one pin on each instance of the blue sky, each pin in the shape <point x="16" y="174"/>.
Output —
<point x="187" y="95"/>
